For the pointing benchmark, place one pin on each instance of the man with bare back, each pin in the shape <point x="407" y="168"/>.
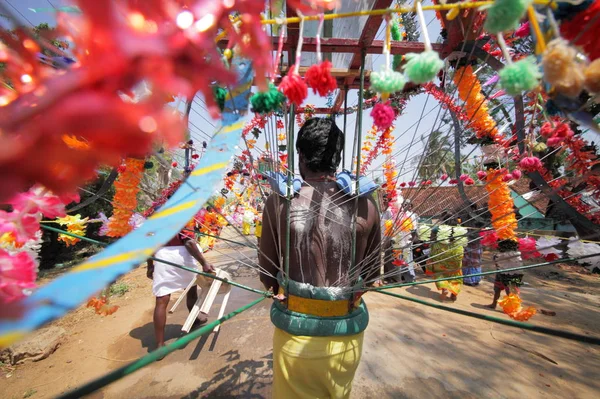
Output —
<point x="318" y="313"/>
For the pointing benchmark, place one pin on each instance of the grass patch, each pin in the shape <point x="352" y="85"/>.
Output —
<point x="29" y="393"/>
<point x="118" y="289"/>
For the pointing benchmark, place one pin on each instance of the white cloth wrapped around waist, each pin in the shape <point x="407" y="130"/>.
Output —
<point x="168" y="279"/>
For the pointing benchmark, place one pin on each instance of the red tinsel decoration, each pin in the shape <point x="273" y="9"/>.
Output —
<point x="571" y="30"/>
<point x="445" y="100"/>
<point x="319" y="78"/>
<point x="294" y="87"/>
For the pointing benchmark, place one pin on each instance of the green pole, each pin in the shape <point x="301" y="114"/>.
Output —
<point x="189" y="269"/>
<point x="151" y="357"/>
<point x="345" y="118"/>
<point x="289" y="194"/>
<point x="507" y="322"/>
<point x="358" y="152"/>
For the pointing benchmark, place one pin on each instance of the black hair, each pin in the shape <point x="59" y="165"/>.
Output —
<point x="320" y="142"/>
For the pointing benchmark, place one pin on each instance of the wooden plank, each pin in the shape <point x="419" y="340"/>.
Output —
<point x="222" y="309"/>
<point x="183" y="294"/>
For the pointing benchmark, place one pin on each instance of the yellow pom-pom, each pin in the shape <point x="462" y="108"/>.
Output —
<point x="228" y="53"/>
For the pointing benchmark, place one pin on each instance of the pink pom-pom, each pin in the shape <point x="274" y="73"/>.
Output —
<point x="444" y="177"/>
<point x="481" y="175"/>
<point x="528" y="248"/>
<point x="453" y="181"/>
<point x="412" y="183"/>
<point x="463" y="177"/>
<point x="428" y="182"/>
<point x="516" y="174"/>
<point x="530" y="164"/>
<point x="383" y="116"/>
<point x="507" y="177"/>
<point x="294" y="87"/>
<point x="469" y="181"/>
<point x="319" y="78"/>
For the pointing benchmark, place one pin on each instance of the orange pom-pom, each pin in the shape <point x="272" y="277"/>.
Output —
<point x="561" y="68"/>
<point x="592" y="77"/>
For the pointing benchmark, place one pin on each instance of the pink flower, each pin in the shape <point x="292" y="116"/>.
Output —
<point x="37" y="200"/>
<point x="530" y="164"/>
<point x="453" y="181"/>
<point x="523" y="30"/>
<point x="22" y="227"/>
<point x="481" y="175"/>
<point x="516" y="174"/>
<point x="412" y="183"/>
<point x="507" y="177"/>
<point x="383" y="116"/>
<point x="463" y="177"/>
<point x="16" y="273"/>
<point x="489" y="238"/>
<point x="469" y="181"/>
<point x="444" y="177"/>
<point x="528" y="248"/>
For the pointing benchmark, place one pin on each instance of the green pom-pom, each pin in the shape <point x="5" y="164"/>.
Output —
<point x="422" y="67"/>
<point x="523" y="75"/>
<point x="395" y="30"/>
<point x="220" y="95"/>
<point x="270" y="101"/>
<point x="505" y="15"/>
<point x="397" y="36"/>
<point x="387" y="81"/>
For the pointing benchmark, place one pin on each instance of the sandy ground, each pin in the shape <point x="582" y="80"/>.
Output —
<point x="410" y="351"/>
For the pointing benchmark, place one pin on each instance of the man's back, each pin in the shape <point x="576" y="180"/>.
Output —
<point x="321" y="227"/>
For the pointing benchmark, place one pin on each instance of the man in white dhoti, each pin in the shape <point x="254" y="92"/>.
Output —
<point x="167" y="279"/>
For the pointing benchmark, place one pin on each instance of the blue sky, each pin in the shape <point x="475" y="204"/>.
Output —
<point x="407" y="147"/>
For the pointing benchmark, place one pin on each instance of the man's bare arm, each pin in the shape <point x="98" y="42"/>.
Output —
<point x="268" y="257"/>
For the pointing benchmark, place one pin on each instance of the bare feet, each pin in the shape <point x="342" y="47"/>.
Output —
<point x="160" y="345"/>
<point x="443" y="297"/>
<point x="492" y="306"/>
<point x="453" y="297"/>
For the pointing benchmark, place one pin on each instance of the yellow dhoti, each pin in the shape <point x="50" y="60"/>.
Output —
<point x="314" y="367"/>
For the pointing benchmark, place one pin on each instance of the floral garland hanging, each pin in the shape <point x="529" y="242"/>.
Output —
<point x="125" y="199"/>
<point x="75" y="225"/>
<point x="469" y="90"/>
<point x="445" y="100"/>
<point x="501" y="205"/>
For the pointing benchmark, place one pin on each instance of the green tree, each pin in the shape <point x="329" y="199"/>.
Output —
<point x="438" y="156"/>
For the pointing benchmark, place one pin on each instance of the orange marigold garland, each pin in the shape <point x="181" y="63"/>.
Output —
<point x="512" y="306"/>
<point x="125" y="199"/>
<point x="469" y="90"/>
<point x="501" y="205"/>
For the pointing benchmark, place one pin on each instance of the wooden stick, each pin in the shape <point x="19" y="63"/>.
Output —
<point x="222" y="310"/>
<point x="190" y="285"/>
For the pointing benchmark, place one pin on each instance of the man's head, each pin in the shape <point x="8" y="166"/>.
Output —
<point x="319" y="146"/>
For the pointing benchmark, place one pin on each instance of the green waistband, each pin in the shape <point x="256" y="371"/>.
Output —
<point x="315" y="326"/>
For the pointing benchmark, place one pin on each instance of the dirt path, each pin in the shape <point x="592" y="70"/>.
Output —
<point x="411" y="351"/>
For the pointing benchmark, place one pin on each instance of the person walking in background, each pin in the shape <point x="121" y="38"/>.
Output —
<point x="446" y="256"/>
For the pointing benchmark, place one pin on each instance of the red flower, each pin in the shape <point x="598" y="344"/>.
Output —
<point x="399" y="263"/>
<point x="507" y="177"/>
<point x="516" y="174"/>
<point x="383" y="115"/>
<point x="412" y="183"/>
<point x="279" y="124"/>
<point x="481" y="175"/>
<point x="294" y="87"/>
<point x="453" y="181"/>
<point x="121" y="168"/>
<point x="195" y="156"/>
<point x="174" y="164"/>
<point x="319" y="77"/>
<point x="402" y="184"/>
<point x="464" y="177"/>
<point x="469" y="181"/>
<point x="530" y="164"/>
<point x="551" y="257"/>
<point x="444" y="177"/>
<point x="489" y="238"/>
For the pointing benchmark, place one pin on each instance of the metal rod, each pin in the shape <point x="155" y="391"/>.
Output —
<point x="151" y="357"/>
<point x="189" y="269"/>
<point x="357" y="142"/>
<point x="289" y="194"/>
<point x="506" y="322"/>
<point x="345" y="119"/>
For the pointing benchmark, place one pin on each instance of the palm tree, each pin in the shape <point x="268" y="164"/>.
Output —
<point x="438" y="156"/>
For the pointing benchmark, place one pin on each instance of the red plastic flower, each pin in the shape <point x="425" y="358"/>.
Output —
<point x="453" y="181"/>
<point x="550" y="257"/>
<point x="469" y="181"/>
<point x="195" y="156"/>
<point x="530" y="164"/>
<point x="481" y="175"/>
<point x="319" y="78"/>
<point x="444" y="177"/>
<point x="174" y="164"/>
<point x="489" y="238"/>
